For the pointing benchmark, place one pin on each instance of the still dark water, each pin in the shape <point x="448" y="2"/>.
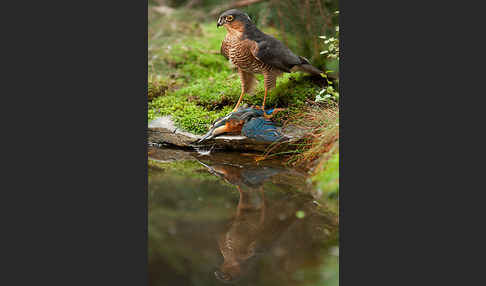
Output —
<point x="222" y="218"/>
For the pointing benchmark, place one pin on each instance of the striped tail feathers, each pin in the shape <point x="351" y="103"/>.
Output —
<point x="305" y="66"/>
<point x="310" y="69"/>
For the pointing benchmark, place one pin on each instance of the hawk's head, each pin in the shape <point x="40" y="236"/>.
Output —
<point x="234" y="19"/>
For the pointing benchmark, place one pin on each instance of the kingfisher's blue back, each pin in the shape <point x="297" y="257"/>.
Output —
<point x="261" y="129"/>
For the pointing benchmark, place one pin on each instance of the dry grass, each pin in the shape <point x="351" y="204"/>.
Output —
<point x="318" y="151"/>
<point x="321" y="140"/>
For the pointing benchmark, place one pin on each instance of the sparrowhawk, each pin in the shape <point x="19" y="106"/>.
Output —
<point x="253" y="51"/>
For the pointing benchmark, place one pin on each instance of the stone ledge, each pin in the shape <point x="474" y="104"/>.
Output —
<point x="163" y="130"/>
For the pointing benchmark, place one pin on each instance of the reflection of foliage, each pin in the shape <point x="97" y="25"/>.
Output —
<point x="327" y="177"/>
<point x="327" y="274"/>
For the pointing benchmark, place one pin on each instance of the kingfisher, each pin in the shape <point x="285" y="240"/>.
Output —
<point x="250" y="122"/>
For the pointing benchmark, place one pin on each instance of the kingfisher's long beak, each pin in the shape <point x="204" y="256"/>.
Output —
<point x="218" y="128"/>
<point x="207" y="136"/>
<point x="220" y="22"/>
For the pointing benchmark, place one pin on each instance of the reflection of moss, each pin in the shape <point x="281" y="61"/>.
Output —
<point x="327" y="179"/>
<point x="186" y="206"/>
<point x="179" y="170"/>
<point x="170" y="199"/>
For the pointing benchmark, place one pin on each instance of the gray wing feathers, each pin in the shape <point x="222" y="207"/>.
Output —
<point x="273" y="52"/>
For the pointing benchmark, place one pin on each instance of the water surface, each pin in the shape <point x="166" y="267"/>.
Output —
<point x="222" y="218"/>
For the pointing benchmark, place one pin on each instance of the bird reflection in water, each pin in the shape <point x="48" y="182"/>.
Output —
<point x="259" y="224"/>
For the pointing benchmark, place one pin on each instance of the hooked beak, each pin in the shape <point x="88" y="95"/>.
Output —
<point x="220" y="22"/>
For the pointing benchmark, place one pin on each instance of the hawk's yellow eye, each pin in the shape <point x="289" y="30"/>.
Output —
<point x="229" y="18"/>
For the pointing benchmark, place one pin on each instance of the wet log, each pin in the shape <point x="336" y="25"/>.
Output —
<point x="162" y="130"/>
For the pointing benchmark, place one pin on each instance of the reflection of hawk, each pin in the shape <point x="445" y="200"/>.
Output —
<point x="241" y="242"/>
<point x="253" y="51"/>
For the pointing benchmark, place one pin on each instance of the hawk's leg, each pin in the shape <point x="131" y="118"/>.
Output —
<point x="248" y="82"/>
<point x="239" y="101"/>
<point x="263" y="104"/>
<point x="274" y="111"/>
<point x="270" y="80"/>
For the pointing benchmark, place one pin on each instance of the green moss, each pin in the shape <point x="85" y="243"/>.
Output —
<point x="187" y="115"/>
<point x="157" y="87"/>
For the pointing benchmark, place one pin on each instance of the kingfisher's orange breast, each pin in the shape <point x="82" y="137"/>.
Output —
<point x="234" y="125"/>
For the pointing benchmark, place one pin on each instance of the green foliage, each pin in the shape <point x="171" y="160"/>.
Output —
<point x="327" y="93"/>
<point x="332" y="45"/>
<point x="332" y="53"/>
<point x="327" y="179"/>
<point x="298" y="19"/>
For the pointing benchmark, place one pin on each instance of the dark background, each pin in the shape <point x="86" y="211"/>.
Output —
<point x="75" y="151"/>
